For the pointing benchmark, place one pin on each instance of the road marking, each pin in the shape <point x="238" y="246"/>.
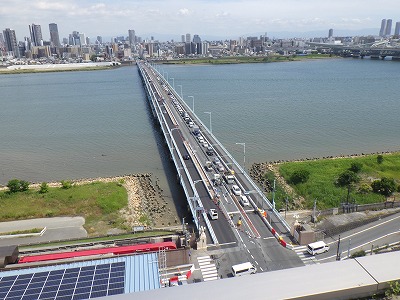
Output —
<point x="256" y="263"/>
<point x="207" y="267"/>
<point x="269" y="238"/>
<point x="305" y="257"/>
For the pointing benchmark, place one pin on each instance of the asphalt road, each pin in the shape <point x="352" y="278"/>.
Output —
<point x="58" y="228"/>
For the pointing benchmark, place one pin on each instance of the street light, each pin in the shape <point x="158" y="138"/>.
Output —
<point x="193" y="102"/>
<point x="164" y="75"/>
<point x="244" y="154"/>
<point x="173" y="83"/>
<point x="180" y="85"/>
<point x="209" y="112"/>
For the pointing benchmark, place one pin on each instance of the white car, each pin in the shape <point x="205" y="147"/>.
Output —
<point x="244" y="201"/>
<point x="213" y="214"/>
<point x="220" y="168"/>
<point x="236" y="190"/>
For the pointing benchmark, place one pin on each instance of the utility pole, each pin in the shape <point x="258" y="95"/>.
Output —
<point x="314" y="210"/>
<point x="273" y="195"/>
<point x="286" y="201"/>
<point x="338" y="250"/>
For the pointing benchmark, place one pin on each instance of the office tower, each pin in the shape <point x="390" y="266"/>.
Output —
<point x="99" y="39"/>
<point x="182" y="38"/>
<point x="388" y="30"/>
<point x="397" y="29"/>
<point x="330" y="33"/>
<point x="132" y="37"/>
<point x="2" y="44"/>
<point x="187" y="37"/>
<point x="10" y="40"/>
<point x="82" y="39"/>
<point x="383" y="28"/>
<point x="36" y="35"/>
<point x="54" y="36"/>
<point x="196" y="39"/>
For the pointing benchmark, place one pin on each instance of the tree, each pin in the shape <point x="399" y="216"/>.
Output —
<point x="386" y="186"/>
<point x="347" y="179"/>
<point x="299" y="176"/>
<point x="14" y="185"/>
<point x="355" y="167"/>
<point x="379" y="159"/>
<point x="44" y="188"/>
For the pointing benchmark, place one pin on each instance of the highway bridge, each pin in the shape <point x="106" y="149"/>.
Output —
<point x="203" y="165"/>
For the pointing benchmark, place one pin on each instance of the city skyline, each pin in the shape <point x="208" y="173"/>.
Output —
<point x="227" y="18"/>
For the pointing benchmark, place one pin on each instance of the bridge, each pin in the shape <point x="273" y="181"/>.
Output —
<point x="208" y="174"/>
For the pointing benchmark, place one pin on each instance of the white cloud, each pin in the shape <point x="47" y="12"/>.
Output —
<point x="184" y="12"/>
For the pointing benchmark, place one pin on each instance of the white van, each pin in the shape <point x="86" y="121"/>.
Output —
<point x="243" y="269"/>
<point x="317" y="248"/>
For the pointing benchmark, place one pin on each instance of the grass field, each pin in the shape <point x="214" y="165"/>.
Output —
<point x="324" y="172"/>
<point x="242" y="59"/>
<point x="97" y="202"/>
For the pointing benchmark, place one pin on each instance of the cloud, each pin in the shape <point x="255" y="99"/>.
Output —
<point x="183" y="12"/>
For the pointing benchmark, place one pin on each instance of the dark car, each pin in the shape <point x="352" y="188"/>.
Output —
<point x="210" y="153"/>
<point x="186" y="156"/>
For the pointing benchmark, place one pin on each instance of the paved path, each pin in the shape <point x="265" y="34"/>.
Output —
<point x="58" y="228"/>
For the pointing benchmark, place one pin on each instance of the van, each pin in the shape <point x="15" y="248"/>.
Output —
<point x="243" y="269"/>
<point x="229" y="179"/>
<point x="317" y="248"/>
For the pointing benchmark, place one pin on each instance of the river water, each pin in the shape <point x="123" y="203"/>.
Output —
<point x="72" y="125"/>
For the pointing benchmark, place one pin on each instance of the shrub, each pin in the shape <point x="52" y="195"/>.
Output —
<point x="364" y="189"/>
<point x="355" y="167"/>
<point x="358" y="254"/>
<point x="14" y="185"/>
<point x="24" y="185"/>
<point x="386" y="186"/>
<point x="44" y="188"/>
<point x="379" y="159"/>
<point x="299" y="176"/>
<point x="66" y="184"/>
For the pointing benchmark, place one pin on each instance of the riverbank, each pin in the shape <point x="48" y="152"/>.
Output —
<point x="145" y="204"/>
<point x="243" y="59"/>
<point x="22" y="69"/>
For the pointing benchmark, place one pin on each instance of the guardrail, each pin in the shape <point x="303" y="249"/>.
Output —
<point x="171" y="142"/>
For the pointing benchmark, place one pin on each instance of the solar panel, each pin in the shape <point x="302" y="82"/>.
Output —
<point x="75" y="283"/>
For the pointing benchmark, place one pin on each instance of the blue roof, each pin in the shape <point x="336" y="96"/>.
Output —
<point x="83" y="280"/>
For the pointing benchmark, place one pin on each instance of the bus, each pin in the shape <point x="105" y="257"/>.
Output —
<point x="243" y="269"/>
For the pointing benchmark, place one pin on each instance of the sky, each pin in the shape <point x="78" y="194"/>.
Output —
<point x="166" y="19"/>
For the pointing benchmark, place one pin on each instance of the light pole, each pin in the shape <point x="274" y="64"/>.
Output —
<point x="244" y="154"/>
<point x="209" y="112"/>
<point x="180" y="85"/>
<point x="173" y="83"/>
<point x="193" y="102"/>
<point x="167" y="75"/>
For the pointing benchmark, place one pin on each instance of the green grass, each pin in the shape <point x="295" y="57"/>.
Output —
<point x="324" y="172"/>
<point x="100" y="239"/>
<point x="242" y="59"/>
<point x="96" y="202"/>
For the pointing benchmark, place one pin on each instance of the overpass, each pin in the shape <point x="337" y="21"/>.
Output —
<point x="201" y="162"/>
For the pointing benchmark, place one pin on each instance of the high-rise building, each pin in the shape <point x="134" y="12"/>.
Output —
<point x="99" y="39"/>
<point x="388" y="30"/>
<point x="132" y="37"/>
<point x="330" y="34"/>
<point x="397" y="29"/>
<point x="36" y="35"/>
<point x="383" y="28"/>
<point x="10" y="40"/>
<point x="2" y="44"/>
<point x="182" y="38"/>
<point x="54" y="36"/>
<point x="188" y="38"/>
<point x="196" y="39"/>
<point x="82" y="39"/>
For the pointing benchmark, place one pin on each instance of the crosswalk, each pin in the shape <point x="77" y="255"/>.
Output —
<point x="306" y="258"/>
<point x="207" y="268"/>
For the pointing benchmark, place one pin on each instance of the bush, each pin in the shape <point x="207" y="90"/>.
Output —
<point x="379" y="159"/>
<point x="16" y="185"/>
<point x="299" y="176"/>
<point x="44" y="188"/>
<point x="66" y="184"/>
<point x="358" y="254"/>
<point x="386" y="186"/>
<point x="355" y="167"/>
<point x="364" y="189"/>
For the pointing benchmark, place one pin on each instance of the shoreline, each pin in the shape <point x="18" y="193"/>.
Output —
<point x="146" y="205"/>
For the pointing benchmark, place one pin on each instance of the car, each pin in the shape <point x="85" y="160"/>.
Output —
<point x="216" y="161"/>
<point x="210" y="153"/>
<point x="236" y="190"/>
<point x="191" y="124"/>
<point x="220" y="168"/>
<point x="208" y="167"/>
<point x="186" y="156"/>
<point x="205" y="144"/>
<point x="213" y="214"/>
<point x="244" y="201"/>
